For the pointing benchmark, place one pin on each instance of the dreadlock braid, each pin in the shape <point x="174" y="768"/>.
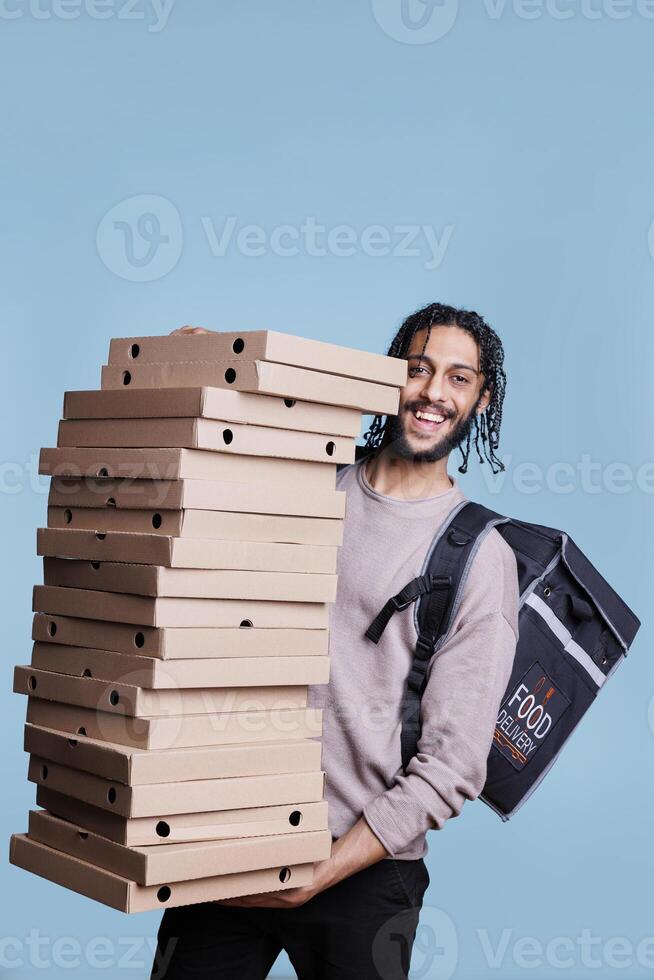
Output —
<point x="491" y="364"/>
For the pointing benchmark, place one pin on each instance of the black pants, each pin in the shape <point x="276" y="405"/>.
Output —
<point x="362" y="928"/>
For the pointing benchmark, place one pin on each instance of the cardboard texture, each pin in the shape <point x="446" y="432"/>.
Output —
<point x="170" y="552"/>
<point x="152" y="865"/>
<point x="213" y="403"/>
<point x="258" y="376"/>
<point x="162" y="612"/>
<point x="127" y="896"/>
<point x="258" y="498"/>
<point x="264" y="345"/>
<point x="135" y="767"/>
<point x="216" y="825"/>
<point x="191" y="796"/>
<point x="193" y="524"/>
<point x="151" y="673"/>
<point x="198" y="583"/>
<point x="206" y="434"/>
<point x="178" y="731"/>
<point x="127" y="699"/>
<point x="183" y="464"/>
<point x="180" y="644"/>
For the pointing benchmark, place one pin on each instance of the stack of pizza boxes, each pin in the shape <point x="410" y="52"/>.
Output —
<point x="189" y="564"/>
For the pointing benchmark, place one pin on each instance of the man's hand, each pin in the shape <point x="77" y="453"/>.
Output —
<point x="183" y="331"/>
<point x="354" y="851"/>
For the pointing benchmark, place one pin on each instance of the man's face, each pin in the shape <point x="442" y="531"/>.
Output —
<point x="442" y="395"/>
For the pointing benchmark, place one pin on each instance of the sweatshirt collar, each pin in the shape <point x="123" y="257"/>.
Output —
<point x="417" y="507"/>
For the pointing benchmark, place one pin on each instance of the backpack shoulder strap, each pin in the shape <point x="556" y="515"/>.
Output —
<point x="452" y="554"/>
<point x="450" y="557"/>
<point x="437" y="592"/>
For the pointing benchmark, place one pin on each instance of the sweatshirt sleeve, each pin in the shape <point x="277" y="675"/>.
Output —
<point x="465" y="684"/>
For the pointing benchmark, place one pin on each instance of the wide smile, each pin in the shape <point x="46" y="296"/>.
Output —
<point x="424" y="421"/>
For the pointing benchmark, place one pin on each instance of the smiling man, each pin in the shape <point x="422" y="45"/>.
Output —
<point x="358" y="918"/>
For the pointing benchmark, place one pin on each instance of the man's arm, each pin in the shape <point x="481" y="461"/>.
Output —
<point x="466" y="681"/>
<point x="459" y="712"/>
<point x="354" y="851"/>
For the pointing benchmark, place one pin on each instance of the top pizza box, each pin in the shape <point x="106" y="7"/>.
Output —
<point x="263" y="345"/>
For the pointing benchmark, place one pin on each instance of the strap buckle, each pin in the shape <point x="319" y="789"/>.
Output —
<point x="420" y="586"/>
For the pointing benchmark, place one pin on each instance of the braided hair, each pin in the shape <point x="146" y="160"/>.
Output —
<point x="491" y="364"/>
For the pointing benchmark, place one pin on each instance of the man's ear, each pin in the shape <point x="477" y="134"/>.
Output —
<point x="484" y="401"/>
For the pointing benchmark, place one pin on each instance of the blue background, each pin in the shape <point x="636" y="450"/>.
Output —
<point x="525" y="132"/>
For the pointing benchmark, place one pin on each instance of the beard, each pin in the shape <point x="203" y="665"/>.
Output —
<point x="399" y="446"/>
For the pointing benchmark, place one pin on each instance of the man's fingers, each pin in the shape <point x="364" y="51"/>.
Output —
<point x="188" y="330"/>
<point x="285" y="899"/>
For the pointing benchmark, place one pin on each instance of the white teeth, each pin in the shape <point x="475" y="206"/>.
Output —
<point x="429" y="417"/>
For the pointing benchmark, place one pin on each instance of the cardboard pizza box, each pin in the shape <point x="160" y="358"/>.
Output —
<point x="258" y="376"/>
<point x="264" y="345"/>
<point x="118" y="698"/>
<point x="213" y="403"/>
<point x="255" y="498"/>
<point x="170" y="552"/>
<point x="135" y="767"/>
<point x="191" y="796"/>
<point x="127" y="896"/>
<point x="205" y="434"/>
<point x="196" y="583"/>
<point x="155" y="464"/>
<point x="183" y="731"/>
<point x="152" y="865"/>
<point x="187" y="643"/>
<point x="221" y="525"/>
<point x="148" y="672"/>
<point x="177" y="612"/>
<point x="254" y="821"/>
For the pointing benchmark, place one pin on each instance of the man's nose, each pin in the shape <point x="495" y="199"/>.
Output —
<point x="433" y="389"/>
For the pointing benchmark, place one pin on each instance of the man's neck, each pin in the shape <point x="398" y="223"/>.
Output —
<point x="404" y="479"/>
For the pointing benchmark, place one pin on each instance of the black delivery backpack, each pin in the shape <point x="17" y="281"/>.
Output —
<point x="574" y="630"/>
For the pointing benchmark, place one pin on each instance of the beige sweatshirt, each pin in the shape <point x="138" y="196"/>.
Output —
<point x="385" y="543"/>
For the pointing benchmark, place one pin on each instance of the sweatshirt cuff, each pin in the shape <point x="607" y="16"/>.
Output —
<point x="396" y="822"/>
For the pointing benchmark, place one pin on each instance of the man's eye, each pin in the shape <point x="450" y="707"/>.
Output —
<point x="459" y="378"/>
<point x="414" y="370"/>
